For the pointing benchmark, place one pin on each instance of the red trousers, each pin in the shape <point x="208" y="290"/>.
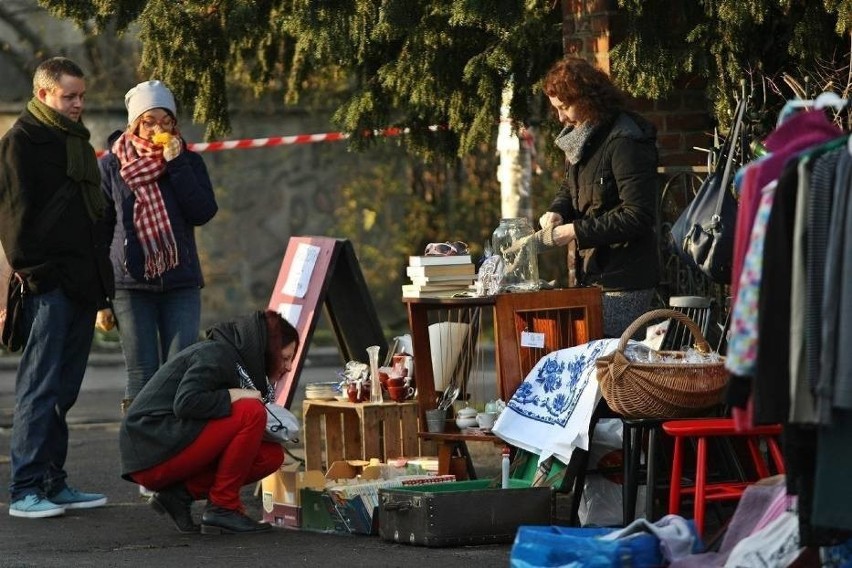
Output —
<point x="228" y="454"/>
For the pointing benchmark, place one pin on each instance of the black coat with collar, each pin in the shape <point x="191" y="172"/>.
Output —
<point x="74" y="254"/>
<point x="611" y="197"/>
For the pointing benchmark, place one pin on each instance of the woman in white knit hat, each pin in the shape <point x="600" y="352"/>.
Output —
<point x="159" y="192"/>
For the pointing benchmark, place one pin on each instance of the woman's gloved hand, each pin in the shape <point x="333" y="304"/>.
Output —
<point x="105" y="320"/>
<point x="549" y="218"/>
<point x="172" y="148"/>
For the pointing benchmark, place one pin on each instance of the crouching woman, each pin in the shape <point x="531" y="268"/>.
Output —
<point x="195" y="430"/>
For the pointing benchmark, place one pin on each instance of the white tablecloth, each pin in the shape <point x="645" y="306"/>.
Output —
<point x="550" y="413"/>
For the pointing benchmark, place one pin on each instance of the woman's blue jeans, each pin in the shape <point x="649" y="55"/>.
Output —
<point x="153" y="327"/>
<point x="50" y="373"/>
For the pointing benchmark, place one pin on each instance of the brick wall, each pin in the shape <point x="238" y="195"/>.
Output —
<point x="591" y="29"/>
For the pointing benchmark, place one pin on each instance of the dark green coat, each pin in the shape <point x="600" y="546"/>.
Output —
<point x="75" y="252"/>
<point x="191" y="389"/>
<point x="611" y="197"/>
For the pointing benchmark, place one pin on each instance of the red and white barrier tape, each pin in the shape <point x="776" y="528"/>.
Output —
<point x="279" y="141"/>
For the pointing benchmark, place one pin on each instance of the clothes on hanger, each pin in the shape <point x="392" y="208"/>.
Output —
<point x="791" y="318"/>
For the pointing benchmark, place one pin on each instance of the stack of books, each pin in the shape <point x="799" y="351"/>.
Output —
<point x="438" y="276"/>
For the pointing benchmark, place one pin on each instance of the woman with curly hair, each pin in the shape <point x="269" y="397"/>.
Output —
<point x="606" y="204"/>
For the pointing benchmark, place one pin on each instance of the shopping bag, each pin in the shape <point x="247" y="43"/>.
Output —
<point x="558" y="546"/>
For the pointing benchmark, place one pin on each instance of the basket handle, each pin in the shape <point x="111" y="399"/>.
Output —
<point x="700" y="343"/>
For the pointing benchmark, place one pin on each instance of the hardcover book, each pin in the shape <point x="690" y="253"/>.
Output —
<point x="439" y="260"/>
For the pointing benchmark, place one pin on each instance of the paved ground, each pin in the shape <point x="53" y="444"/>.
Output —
<point x="128" y="533"/>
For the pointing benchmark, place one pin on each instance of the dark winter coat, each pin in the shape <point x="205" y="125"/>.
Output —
<point x="610" y="196"/>
<point x="191" y="389"/>
<point x="74" y="254"/>
<point x="189" y="200"/>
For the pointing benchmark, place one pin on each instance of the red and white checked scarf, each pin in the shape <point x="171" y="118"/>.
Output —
<point x="142" y="164"/>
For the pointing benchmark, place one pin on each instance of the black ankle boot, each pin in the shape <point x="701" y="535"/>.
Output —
<point x="217" y="520"/>
<point x="176" y="502"/>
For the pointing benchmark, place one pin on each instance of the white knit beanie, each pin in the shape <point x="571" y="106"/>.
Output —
<point x="147" y="95"/>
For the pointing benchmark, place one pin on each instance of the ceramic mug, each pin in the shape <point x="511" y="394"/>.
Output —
<point x="399" y="394"/>
<point x="486" y="420"/>
<point x="396" y="381"/>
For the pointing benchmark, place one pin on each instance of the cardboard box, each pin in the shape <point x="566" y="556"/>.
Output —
<point x="281" y="495"/>
<point x="318" y="510"/>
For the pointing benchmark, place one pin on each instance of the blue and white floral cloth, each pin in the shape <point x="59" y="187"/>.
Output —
<point x="550" y="413"/>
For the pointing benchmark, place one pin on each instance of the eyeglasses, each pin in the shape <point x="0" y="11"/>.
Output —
<point x="447" y="249"/>
<point x="151" y="123"/>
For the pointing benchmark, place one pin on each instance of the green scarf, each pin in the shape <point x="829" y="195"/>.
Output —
<point x="82" y="162"/>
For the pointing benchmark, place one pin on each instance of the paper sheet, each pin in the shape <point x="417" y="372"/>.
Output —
<point x="447" y="341"/>
<point x="291" y="313"/>
<point x="301" y="270"/>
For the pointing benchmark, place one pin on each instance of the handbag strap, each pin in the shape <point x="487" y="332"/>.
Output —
<point x="726" y="175"/>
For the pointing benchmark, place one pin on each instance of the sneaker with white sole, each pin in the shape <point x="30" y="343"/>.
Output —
<point x="35" y="507"/>
<point x="71" y="498"/>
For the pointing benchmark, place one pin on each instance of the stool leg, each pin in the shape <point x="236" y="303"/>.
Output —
<point x="700" y="485"/>
<point x="582" y="463"/>
<point x="777" y="455"/>
<point x="628" y="496"/>
<point x="677" y="469"/>
<point x="651" y="473"/>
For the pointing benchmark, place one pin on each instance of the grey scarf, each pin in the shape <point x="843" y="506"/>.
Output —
<point x="572" y="140"/>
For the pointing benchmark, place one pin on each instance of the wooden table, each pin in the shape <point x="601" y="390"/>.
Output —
<point x="562" y="318"/>
<point x="452" y="446"/>
<point x="358" y="431"/>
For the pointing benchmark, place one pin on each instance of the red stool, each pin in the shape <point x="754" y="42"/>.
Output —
<point x="701" y="429"/>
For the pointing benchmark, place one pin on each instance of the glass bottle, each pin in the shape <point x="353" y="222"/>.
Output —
<point x="375" y="382"/>
<point x="511" y="240"/>
<point x="505" y="466"/>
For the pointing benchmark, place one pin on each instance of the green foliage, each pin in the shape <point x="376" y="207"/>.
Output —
<point x="724" y="42"/>
<point x="423" y="63"/>
<point x="408" y="63"/>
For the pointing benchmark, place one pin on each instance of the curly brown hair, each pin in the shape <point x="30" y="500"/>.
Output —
<point x="590" y="91"/>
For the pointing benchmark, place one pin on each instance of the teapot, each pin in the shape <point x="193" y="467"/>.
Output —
<point x="466" y="418"/>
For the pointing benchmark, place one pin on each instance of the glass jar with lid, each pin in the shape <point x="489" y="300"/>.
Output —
<point x="511" y="241"/>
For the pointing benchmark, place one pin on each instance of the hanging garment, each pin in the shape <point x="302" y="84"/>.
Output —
<point x="834" y="388"/>
<point x="818" y="226"/>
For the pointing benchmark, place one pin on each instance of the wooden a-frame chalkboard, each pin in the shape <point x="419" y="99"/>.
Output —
<point x="325" y="270"/>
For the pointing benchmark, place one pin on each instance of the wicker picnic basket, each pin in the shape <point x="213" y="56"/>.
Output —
<point x="661" y="390"/>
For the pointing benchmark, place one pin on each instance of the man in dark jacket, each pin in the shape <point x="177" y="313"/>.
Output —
<point x="50" y="208"/>
<point x="607" y="203"/>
